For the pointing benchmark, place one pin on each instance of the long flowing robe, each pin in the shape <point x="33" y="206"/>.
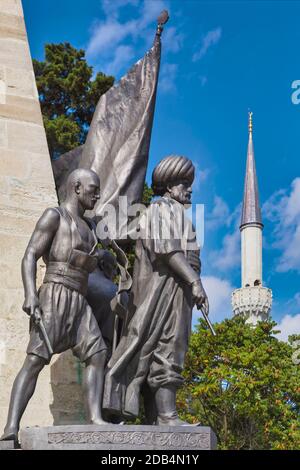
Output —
<point x="155" y="340"/>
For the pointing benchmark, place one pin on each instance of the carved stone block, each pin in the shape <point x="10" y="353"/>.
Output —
<point x="118" y="437"/>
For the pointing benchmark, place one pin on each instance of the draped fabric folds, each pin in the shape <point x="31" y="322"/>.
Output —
<point x="117" y="146"/>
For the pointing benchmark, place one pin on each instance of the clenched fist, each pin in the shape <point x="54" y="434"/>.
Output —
<point x="31" y="306"/>
<point x="199" y="296"/>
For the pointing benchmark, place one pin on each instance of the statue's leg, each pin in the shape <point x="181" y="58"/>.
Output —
<point x="149" y="404"/>
<point x="165" y="399"/>
<point x="23" y="389"/>
<point x="93" y="383"/>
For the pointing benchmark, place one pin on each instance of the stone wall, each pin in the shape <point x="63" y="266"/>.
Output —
<point x="26" y="189"/>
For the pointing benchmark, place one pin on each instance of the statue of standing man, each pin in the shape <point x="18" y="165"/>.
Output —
<point x="60" y="316"/>
<point x="149" y="359"/>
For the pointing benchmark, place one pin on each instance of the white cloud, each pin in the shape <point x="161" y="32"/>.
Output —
<point x="200" y="176"/>
<point x="203" y="80"/>
<point x="292" y="211"/>
<point x="112" y="7"/>
<point x="107" y="35"/>
<point x="150" y="11"/>
<point x="219" y="215"/>
<point x="229" y="256"/>
<point x="297" y="299"/>
<point x="283" y="210"/>
<point x="292" y="304"/>
<point x="289" y="325"/>
<point x="167" y="79"/>
<point x="111" y="33"/>
<point x="172" y="41"/>
<point x="219" y="296"/>
<point x="203" y="175"/>
<point x="290" y="259"/>
<point x="210" y="39"/>
<point x="123" y="54"/>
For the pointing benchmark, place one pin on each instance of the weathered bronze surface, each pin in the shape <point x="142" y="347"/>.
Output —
<point x="166" y="285"/>
<point x="68" y="243"/>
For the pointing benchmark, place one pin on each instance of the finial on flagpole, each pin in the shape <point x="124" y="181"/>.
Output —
<point x="161" y="21"/>
<point x="250" y="125"/>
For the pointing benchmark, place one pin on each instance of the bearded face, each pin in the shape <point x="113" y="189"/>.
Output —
<point x="174" y="174"/>
<point x="181" y="192"/>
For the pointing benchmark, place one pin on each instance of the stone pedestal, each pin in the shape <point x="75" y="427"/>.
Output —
<point x="7" y="445"/>
<point x="118" y="437"/>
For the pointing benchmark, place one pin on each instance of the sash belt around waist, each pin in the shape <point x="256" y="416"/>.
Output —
<point x="70" y="276"/>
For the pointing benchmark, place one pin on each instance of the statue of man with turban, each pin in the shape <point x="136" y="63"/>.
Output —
<point x="150" y="356"/>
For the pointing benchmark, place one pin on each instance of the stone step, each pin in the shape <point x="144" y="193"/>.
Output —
<point x="118" y="437"/>
<point x="8" y="445"/>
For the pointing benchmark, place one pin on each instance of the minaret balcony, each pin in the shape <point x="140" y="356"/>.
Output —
<point x="253" y="302"/>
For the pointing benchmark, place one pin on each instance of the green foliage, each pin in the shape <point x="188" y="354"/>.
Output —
<point x="68" y="95"/>
<point x="147" y="195"/>
<point x="244" y="385"/>
<point x="63" y="134"/>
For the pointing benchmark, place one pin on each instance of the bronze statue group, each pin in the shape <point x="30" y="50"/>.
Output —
<point x="149" y="357"/>
<point x="143" y="359"/>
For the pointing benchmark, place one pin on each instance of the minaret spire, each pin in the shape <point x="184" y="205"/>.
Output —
<point x="251" y="213"/>
<point x="252" y="300"/>
<point x="250" y="114"/>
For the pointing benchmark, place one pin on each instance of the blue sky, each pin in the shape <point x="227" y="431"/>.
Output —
<point x="219" y="59"/>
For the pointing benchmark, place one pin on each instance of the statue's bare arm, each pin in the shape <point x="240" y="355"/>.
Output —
<point x="38" y="246"/>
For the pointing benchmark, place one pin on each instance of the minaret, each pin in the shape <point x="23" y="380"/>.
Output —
<point x="251" y="300"/>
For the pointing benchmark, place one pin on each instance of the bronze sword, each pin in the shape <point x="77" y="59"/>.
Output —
<point x="39" y="322"/>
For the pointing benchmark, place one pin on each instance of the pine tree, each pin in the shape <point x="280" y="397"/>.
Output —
<point x="68" y="95"/>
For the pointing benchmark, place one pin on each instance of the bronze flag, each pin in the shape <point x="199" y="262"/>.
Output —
<point x="117" y="146"/>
